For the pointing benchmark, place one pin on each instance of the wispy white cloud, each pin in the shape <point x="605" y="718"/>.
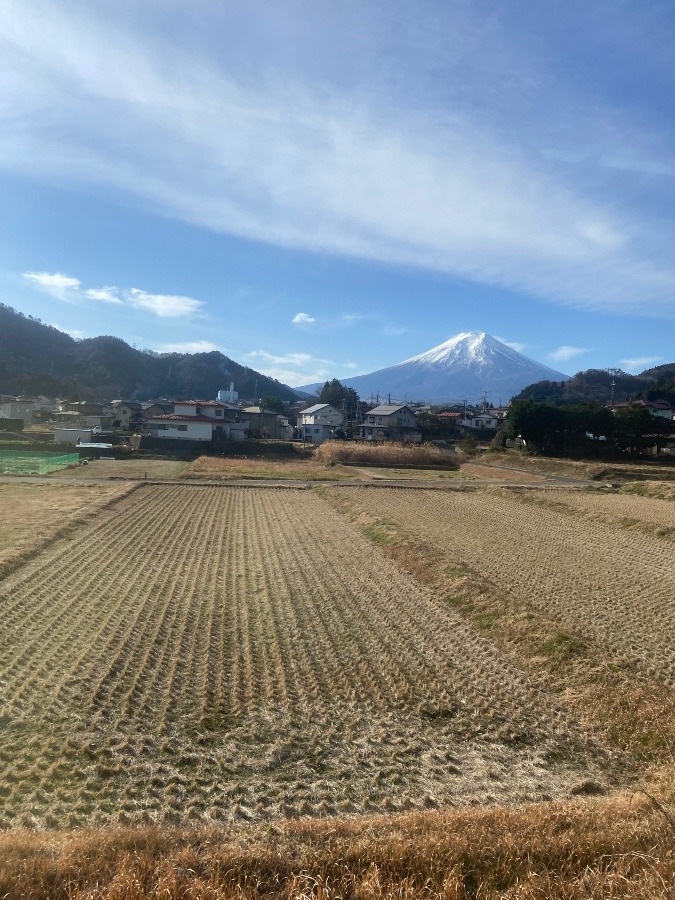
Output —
<point x="378" y="175"/>
<point x="166" y="306"/>
<point x="394" y="330"/>
<point x="73" y="332"/>
<point x="565" y="352"/>
<point x="518" y="346"/>
<point x="54" y="283"/>
<point x="107" y="294"/>
<point x="638" y="364"/>
<point x="65" y="287"/>
<point x="188" y="347"/>
<point x="290" y="368"/>
<point x="302" y="318"/>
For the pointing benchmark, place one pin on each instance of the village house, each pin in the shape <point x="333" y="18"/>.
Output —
<point x="196" y="420"/>
<point x="17" y="409"/>
<point x="125" y="411"/>
<point x="319" y="423"/>
<point x="263" y="423"/>
<point x="390" y="422"/>
<point x="83" y="408"/>
<point x="659" y="408"/>
<point x="480" y="421"/>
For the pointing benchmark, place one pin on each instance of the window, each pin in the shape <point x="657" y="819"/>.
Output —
<point x="162" y="427"/>
<point x="181" y="427"/>
<point x="219" y="412"/>
<point x="370" y="430"/>
<point x="371" y="421"/>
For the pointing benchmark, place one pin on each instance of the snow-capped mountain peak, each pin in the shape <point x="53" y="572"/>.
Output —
<point x="469" y="365"/>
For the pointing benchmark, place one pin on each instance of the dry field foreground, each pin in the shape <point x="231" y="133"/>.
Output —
<point x="212" y="653"/>
<point x="599" y="564"/>
<point x="31" y="515"/>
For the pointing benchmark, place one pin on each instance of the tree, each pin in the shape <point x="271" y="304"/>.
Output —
<point x="636" y="429"/>
<point x="537" y="423"/>
<point x="339" y="396"/>
<point x="273" y="404"/>
<point x="469" y="444"/>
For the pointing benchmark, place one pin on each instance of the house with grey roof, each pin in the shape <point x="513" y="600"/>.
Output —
<point x="391" y="422"/>
<point x="319" y="423"/>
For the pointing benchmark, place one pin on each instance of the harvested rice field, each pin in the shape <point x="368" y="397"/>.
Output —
<point x="601" y="564"/>
<point x="205" y="653"/>
<point x="31" y="514"/>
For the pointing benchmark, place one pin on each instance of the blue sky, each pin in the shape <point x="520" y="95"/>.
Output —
<point x="322" y="189"/>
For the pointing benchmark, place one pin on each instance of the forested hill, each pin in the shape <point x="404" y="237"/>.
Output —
<point x="596" y="384"/>
<point x="38" y="359"/>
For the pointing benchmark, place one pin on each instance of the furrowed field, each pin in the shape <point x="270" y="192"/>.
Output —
<point x="201" y="653"/>
<point x="601" y="565"/>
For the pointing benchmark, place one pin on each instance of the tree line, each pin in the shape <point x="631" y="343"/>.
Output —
<point x="583" y="427"/>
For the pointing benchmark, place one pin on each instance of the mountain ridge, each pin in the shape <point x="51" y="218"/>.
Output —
<point x="469" y="365"/>
<point x="39" y="359"/>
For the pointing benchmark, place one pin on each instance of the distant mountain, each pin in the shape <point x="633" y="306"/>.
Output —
<point x="38" y="359"/>
<point x="603" y="385"/>
<point x="464" y="367"/>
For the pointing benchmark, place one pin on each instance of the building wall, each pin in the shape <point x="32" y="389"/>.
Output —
<point x="316" y="434"/>
<point x="331" y="417"/>
<point x="403" y="419"/>
<point x="17" y="409"/>
<point x="182" y="431"/>
<point x="71" y="435"/>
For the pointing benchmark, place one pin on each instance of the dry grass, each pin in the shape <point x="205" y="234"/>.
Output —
<point x="486" y="471"/>
<point x="620" y="848"/>
<point x="387" y="455"/>
<point x="213" y="653"/>
<point x="659" y="490"/>
<point x="416" y="476"/>
<point x="225" y="468"/>
<point x="131" y="469"/>
<point x="574" y="592"/>
<point x="32" y="514"/>
<point x="582" y="469"/>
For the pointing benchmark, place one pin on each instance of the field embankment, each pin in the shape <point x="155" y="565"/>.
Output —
<point x="575" y="850"/>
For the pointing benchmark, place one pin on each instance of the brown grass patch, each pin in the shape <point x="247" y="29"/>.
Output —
<point x="388" y="454"/>
<point x="284" y="469"/>
<point x="619" y="848"/>
<point x="132" y="469"/>
<point x="32" y="513"/>
<point x="595" y="470"/>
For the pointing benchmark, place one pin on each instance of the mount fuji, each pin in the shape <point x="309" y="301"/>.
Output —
<point x="466" y="367"/>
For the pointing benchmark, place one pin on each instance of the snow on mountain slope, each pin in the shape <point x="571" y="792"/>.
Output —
<point x="465" y="367"/>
